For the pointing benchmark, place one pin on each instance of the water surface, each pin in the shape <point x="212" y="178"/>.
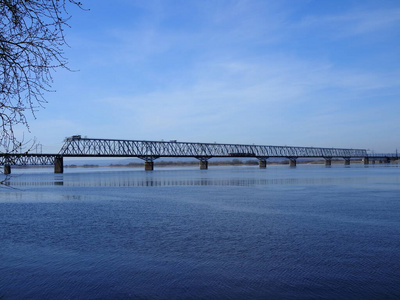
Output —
<point x="308" y="232"/>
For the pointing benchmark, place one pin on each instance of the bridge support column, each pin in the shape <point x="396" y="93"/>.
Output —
<point x="366" y="160"/>
<point x="262" y="163"/>
<point x="7" y="169"/>
<point x="347" y="161"/>
<point x="148" y="166"/>
<point x="203" y="164"/>
<point x="58" y="165"/>
<point x="292" y="161"/>
<point x="328" y="161"/>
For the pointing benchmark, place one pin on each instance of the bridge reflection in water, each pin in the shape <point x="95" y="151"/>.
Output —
<point x="130" y="179"/>
<point x="126" y="182"/>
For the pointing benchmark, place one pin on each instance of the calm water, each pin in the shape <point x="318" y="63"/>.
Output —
<point x="181" y="233"/>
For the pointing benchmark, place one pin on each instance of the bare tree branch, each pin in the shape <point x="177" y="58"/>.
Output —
<point x="31" y="48"/>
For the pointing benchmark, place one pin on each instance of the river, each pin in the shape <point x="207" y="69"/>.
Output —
<point x="310" y="232"/>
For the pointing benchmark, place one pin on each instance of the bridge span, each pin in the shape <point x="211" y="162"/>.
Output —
<point x="77" y="146"/>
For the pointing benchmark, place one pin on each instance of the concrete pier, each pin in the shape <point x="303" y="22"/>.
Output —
<point x="148" y="166"/>
<point x="59" y="165"/>
<point x="203" y="164"/>
<point x="7" y="169"/>
<point x="292" y="161"/>
<point x="366" y="160"/>
<point x="328" y="161"/>
<point x="263" y="163"/>
<point x="347" y="161"/>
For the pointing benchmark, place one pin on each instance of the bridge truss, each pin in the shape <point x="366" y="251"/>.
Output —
<point x="25" y="159"/>
<point x="150" y="150"/>
<point x="76" y="146"/>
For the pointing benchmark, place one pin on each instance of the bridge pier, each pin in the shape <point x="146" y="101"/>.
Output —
<point x="328" y="161"/>
<point x="346" y="161"/>
<point x="58" y="165"/>
<point x="148" y="165"/>
<point x="148" y="162"/>
<point x="366" y="160"/>
<point x="203" y="164"/>
<point x="262" y="163"/>
<point x="7" y="169"/>
<point x="292" y="161"/>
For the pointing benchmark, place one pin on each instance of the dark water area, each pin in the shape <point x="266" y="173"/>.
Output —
<point x="308" y="232"/>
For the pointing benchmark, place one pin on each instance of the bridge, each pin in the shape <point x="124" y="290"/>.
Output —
<point x="76" y="146"/>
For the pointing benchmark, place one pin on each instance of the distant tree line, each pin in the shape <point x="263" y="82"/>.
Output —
<point x="190" y="163"/>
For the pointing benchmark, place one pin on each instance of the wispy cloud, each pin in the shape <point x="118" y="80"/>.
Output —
<point x="354" y="22"/>
<point x="231" y="71"/>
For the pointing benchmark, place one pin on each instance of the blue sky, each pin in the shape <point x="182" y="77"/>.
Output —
<point x="301" y="73"/>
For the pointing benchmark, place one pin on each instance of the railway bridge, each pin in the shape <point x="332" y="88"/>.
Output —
<point x="149" y="151"/>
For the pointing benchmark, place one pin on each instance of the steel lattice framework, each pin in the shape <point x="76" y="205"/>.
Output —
<point x="150" y="150"/>
<point x="76" y="146"/>
<point x="22" y="159"/>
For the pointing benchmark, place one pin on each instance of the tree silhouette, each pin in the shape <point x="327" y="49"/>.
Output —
<point x="31" y="48"/>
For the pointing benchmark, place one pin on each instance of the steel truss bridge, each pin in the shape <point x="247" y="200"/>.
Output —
<point x="25" y="159"/>
<point x="76" y="146"/>
<point x="150" y="150"/>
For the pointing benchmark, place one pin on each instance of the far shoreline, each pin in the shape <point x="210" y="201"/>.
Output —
<point x="234" y="162"/>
